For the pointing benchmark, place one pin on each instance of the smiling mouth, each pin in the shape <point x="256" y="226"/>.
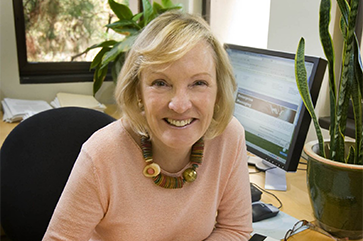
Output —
<point x="178" y="123"/>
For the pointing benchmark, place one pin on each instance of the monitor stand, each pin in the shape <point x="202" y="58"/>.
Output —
<point x="275" y="177"/>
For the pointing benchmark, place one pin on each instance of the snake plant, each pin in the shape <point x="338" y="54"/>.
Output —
<point x="112" y="52"/>
<point x="350" y="84"/>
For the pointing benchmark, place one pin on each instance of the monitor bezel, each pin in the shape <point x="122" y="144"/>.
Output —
<point x="303" y="123"/>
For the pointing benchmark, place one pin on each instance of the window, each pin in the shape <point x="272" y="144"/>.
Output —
<point x="50" y="34"/>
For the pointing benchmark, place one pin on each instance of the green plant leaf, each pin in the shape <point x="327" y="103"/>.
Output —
<point x="100" y="45"/>
<point x="98" y="78"/>
<point x="98" y="58"/>
<point x="117" y="66"/>
<point x="344" y="9"/>
<point x="136" y="17"/>
<point x="122" y="11"/>
<point x="148" y="12"/>
<point x="127" y="31"/>
<point x="339" y="153"/>
<point x="347" y="73"/>
<point x="358" y="66"/>
<point x="327" y="44"/>
<point x="117" y="49"/>
<point x="357" y="109"/>
<point x="123" y="23"/>
<point x="345" y="88"/>
<point x="357" y="102"/>
<point x="167" y="3"/>
<point x="302" y="84"/>
<point x="350" y="157"/>
<point x="157" y="8"/>
<point x="342" y="26"/>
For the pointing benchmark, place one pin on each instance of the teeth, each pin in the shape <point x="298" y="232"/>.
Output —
<point x="179" y="123"/>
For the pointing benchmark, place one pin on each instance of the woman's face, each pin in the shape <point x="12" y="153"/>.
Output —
<point x="179" y="98"/>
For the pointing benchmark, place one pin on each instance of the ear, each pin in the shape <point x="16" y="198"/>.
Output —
<point x="140" y="102"/>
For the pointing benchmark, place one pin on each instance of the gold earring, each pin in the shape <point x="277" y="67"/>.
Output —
<point x="140" y="104"/>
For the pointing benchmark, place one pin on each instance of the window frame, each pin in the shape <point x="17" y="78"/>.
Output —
<point x="57" y="72"/>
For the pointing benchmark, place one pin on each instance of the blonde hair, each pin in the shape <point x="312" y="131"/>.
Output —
<point x="166" y="39"/>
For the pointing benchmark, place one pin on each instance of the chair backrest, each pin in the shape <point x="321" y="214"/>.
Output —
<point x="36" y="159"/>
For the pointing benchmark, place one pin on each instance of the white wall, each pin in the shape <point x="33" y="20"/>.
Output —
<point x="302" y="20"/>
<point x="241" y="22"/>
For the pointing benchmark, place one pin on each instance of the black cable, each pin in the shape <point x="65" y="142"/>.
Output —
<point x="255" y="172"/>
<point x="263" y="190"/>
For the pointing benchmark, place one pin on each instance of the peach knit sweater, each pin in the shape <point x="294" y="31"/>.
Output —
<point x="108" y="198"/>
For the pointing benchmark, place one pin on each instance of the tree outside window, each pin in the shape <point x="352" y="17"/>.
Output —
<point x="57" y="30"/>
<point x="51" y="34"/>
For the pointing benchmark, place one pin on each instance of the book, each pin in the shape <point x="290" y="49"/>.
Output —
<point x="16" y="110"/>
<point x="85" y="101"/>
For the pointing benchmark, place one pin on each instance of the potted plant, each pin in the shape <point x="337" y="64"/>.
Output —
<point x="112" y="52"/>
<point x="335" y="166"/>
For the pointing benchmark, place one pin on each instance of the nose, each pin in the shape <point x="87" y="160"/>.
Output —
<point x="180" y="102"/>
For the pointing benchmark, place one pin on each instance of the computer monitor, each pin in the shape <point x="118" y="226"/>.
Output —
<point x="269" y="106"/>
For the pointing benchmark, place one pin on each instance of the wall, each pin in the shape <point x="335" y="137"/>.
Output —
<point x="302" y="20"/>
<point x="241" y="22"/>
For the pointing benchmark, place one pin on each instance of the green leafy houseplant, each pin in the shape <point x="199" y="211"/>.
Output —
<point x="335" y="167"/>
<point x="350" y="87"/>
<point x="112" y="52"/>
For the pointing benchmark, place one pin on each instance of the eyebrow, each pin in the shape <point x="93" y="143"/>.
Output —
<point x="197" y="74"/>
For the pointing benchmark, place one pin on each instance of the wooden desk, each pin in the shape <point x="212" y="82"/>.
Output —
<point x="5" y="129"/>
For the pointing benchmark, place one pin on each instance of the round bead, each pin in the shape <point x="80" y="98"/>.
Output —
<point x="190" y="175"/>
<point x="151" y="170"/>
<point x="148" y="159"/>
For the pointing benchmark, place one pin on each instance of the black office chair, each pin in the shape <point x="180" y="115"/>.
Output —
<point x="35" y="161"/>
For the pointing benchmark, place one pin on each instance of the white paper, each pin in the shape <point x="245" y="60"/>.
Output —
<point x="275" y="227"/>
<point x="55" y="103"/>
<point x="85" y="101"/>
<point x="17" y="109"/>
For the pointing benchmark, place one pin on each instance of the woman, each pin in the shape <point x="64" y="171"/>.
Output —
<point x="174" y="166"/>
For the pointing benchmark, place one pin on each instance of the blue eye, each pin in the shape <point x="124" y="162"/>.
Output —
<point x="200" y="82"/>
<point x="159" y="83"/>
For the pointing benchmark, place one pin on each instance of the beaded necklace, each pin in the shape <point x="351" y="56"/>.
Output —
<point x="153" y="170"/>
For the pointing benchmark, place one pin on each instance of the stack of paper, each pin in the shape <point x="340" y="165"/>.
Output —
<point x="86" y="101"/>
<point x="17" y="110"/>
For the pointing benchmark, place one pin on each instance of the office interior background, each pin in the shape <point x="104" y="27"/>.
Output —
<point x="272" y="24"/>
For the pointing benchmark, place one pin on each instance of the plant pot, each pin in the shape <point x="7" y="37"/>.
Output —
<point x="336" y="193"/>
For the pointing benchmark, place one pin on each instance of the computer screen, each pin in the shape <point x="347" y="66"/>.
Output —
<point x="268" y="102"/>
